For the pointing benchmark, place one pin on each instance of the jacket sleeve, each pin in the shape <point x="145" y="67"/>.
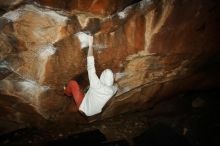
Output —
<point x="93" y="78"/>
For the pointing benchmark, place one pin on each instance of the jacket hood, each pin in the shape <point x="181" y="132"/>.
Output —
<point x="107" y="77"/>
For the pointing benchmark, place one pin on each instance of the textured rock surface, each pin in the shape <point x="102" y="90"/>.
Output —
<point x="155" y="49"/>
<point x="15" y="114"/>
<point x="99" y="7"/>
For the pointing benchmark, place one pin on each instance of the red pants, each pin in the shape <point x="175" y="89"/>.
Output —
<point x="73" y="89"/>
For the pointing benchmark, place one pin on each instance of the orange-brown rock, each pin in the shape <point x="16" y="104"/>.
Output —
<point x="99" y="7"/>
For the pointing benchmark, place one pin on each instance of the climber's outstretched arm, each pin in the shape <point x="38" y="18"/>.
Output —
<point x="90" y="51"/>
<point x="93" y="78"/>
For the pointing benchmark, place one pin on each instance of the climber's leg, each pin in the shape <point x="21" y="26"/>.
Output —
<point x="73" y="89"/>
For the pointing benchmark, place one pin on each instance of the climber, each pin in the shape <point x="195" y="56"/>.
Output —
<point x="100" y="89"/>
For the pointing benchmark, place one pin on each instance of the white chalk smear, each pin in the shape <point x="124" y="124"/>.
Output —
<point x="144" y="3"/>
<point x="45" y="12"/>
<point x="119" y="75"/>
<point x="123" y="14"/>
<point x="13" y="15"/>
<point x="4" y="64"/>
<point x="31" y="88"/>
<point x="47" y="51"/>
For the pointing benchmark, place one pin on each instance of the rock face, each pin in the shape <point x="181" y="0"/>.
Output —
<point x="155" y="48"/>
<point x="97" y="7"/>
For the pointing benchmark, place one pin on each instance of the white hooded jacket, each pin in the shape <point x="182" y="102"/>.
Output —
<point x="100" y="90"/>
